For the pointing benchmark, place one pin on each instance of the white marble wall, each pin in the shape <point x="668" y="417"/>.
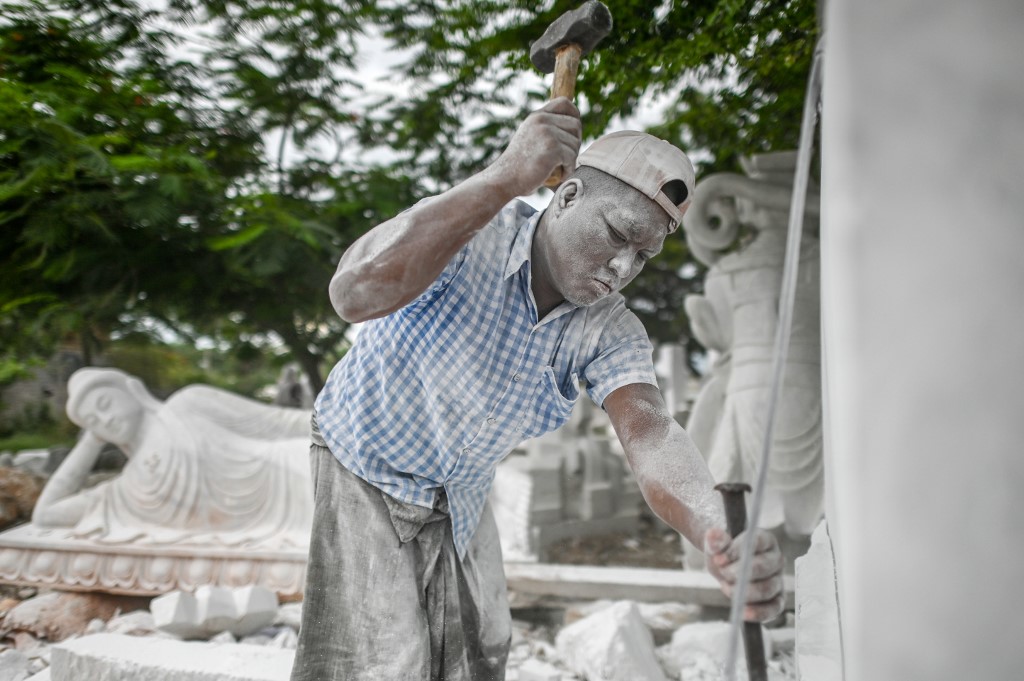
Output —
<point x="923" y="278"/>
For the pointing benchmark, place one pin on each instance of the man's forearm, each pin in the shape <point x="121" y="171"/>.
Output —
<point x="676" y="483"/>
<point x="396" y="261"/>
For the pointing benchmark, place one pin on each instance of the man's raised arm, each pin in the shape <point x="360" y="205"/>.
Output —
<point x="396" y="261"/>
<point x="678" y="486"/>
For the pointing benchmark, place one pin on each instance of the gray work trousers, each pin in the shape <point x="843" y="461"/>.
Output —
<point x="387" y="597"/>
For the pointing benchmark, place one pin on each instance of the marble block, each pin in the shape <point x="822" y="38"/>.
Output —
<point x="215" y="609"/>
<point x="177" y="613"/>
<point x="122" y="658"/>
<point x="255" y="608"/>
<point x="818" y="644"/>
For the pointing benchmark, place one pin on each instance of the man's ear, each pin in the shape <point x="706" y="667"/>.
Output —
<point x="568" y="192"/>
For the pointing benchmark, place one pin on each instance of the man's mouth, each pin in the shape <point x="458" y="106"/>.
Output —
<point x="606" y="288"/>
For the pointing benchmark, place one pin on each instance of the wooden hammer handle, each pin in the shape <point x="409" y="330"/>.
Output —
<point x="567" y="64"/>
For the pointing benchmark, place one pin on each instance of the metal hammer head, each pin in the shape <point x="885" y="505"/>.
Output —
<point x="584" y="26"/>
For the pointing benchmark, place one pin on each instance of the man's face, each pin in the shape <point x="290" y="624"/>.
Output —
<point x="594" y="245"/>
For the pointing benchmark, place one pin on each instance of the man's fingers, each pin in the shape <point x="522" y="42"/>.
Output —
<point x="561" y="114"/>
<point x="561" y="105"/>
<point x="763" y="566"/>
<point x="765" y="542"/>
<point x="760" y="591"/>
<point x="765" y="598"/>
<point x="764" y="612"/>
<point x="716" y="540"/>
<point x="764" y="590"/>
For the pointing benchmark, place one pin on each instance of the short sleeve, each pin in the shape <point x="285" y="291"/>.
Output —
<point x="623" y="356"/>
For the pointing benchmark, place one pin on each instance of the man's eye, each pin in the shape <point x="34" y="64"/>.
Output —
<point x="616" y="237"/>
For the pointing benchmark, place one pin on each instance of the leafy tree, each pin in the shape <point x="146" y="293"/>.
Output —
<point x="134" y="184"/>
<point x="112" y="168"/>
<point x="288" y="66"/>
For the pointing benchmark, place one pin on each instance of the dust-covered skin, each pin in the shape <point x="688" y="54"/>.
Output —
<point x="589" y="245"/>
<point x="390" y="265"/>
<point x="677" y="485"/>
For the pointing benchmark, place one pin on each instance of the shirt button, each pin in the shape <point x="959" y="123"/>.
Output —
<point x="492" y="420"/>
<point x="465" y="450"/>
<point x="517" y="377"/>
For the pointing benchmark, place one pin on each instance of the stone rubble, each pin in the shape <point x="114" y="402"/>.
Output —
<point x="14" y="665"/>
<point x="600" y="641"/>
<point x="19" y="491"/>
<point x="613" y="644"/>
<point x="58" y="615"/>
<point x="663" y="619"/>
<point x="214" y="610"/>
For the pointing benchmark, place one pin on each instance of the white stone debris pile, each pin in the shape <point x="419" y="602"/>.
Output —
<point x="210" y="610"/>
<point x="619" y="641"/>
<point x="601" y="641"/>
<point x="612" y="644"/>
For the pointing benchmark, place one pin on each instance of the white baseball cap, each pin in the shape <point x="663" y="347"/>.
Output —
<point x="645" y="163"/>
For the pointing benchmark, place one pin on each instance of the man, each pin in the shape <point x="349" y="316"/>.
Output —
<point x="483" y="316"/>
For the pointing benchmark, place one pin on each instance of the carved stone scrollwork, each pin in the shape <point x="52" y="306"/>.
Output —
<point x="737" y="225"/>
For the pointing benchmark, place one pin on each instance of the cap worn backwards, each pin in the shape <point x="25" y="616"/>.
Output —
<point x="645" y="163"/>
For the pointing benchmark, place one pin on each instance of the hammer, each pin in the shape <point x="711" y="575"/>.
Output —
<point x="571" y="36"/>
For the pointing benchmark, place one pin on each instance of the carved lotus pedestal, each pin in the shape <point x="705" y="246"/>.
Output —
<point x="52" y="558"/>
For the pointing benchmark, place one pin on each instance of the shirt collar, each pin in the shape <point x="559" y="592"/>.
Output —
<point x="520" y="255"/>
<point x="522" y="245"/>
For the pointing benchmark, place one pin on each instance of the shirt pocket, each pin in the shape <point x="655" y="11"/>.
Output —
<point x="553" y="404"/>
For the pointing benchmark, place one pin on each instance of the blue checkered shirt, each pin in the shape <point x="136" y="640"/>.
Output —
<point x="435" y="394"/>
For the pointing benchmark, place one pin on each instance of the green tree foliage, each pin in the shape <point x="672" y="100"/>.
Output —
<point x="110" y="168"/>
<point x="134" y="185"/>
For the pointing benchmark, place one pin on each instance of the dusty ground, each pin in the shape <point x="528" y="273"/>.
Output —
<point x="651" y="546"/>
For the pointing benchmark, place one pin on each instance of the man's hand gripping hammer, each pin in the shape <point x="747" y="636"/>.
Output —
<point x="571" y="36"/>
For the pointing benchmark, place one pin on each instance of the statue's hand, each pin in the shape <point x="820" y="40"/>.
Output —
<point x="765" y="598"/>
<point x="59" y="504"/>
<point x="90" y="438"/>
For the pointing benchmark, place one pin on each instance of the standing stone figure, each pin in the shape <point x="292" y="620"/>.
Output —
<point x="737" y="317"/>
<point x="206" y="466"/>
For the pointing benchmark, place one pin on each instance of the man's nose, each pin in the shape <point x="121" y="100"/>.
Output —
<point x="621" y="264"/>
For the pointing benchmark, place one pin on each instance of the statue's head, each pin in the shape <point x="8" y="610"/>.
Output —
<point x="108" y="402"/>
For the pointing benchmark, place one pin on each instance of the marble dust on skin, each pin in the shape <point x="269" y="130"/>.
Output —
<point x="666" y="462"/>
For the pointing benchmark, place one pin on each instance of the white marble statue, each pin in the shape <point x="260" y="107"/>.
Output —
<point x="737" y="225"/>
<point x="204" y="467"/>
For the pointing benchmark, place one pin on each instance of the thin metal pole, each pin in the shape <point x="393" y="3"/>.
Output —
<point x="782" y="335"/>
